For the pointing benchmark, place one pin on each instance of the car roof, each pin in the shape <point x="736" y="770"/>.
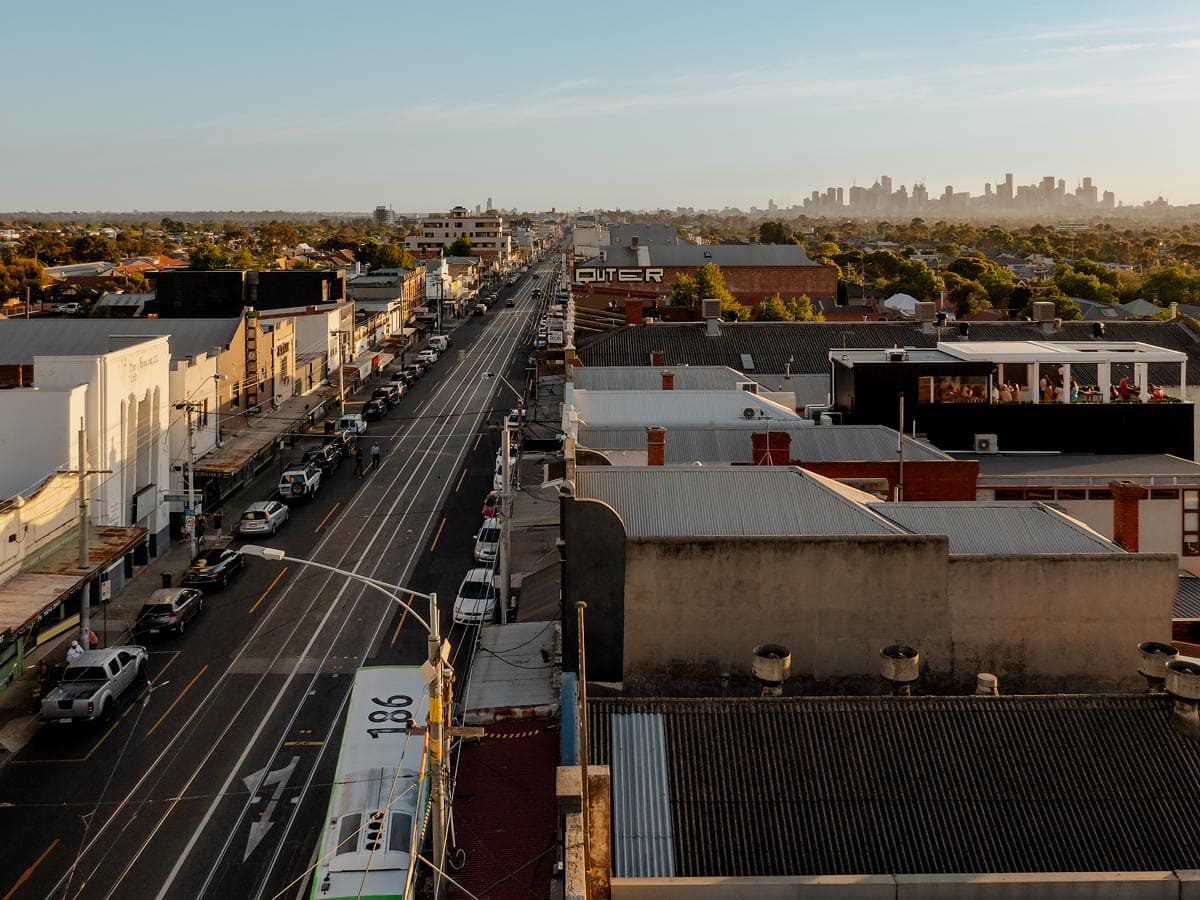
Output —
<point x="260" y="505"/>
<point x="478" y="574"/>
<point x="165" y="595"/>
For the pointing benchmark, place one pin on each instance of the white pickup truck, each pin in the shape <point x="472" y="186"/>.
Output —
<point x="92" y="683"/>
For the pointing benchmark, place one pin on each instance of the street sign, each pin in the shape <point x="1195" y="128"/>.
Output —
<point x="190" y="524"/>
<point x="175" y="498"/>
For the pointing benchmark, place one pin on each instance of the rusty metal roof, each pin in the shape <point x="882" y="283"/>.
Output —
<point x="25" y="598"/>
<point x="105" y="543"/>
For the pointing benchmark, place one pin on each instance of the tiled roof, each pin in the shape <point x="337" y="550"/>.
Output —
<point x="807" y="344"/>
<point x="1017" y="529"/>
<point x="693" y="501"/>
<point x="1187" y="598"/>
<point x="883" y="785"/>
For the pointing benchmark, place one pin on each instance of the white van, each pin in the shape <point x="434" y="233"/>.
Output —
<point x="439" y="342"/>
<point x="354" y="423"/>
<point x="487" y="542"/>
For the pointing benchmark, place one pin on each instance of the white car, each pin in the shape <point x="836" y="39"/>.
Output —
<point x="476" y="600"/>
<point x="427" y="357"/>
<point x="263" y="517"/>
<point x="487" y="542"/>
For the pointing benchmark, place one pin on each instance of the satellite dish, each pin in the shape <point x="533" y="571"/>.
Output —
<point x="749" y="412"/>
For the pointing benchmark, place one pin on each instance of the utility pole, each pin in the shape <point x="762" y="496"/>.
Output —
<point x="191" y="512"/>
<point x="505" y="524"/>
<point x="85" y="613"/>
<point x="580" y="606"/>
<point x="341" y="373"/>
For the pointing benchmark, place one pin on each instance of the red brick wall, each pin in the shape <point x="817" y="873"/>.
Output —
<point x="749" y="284"/>
<point x="923" y="480"/>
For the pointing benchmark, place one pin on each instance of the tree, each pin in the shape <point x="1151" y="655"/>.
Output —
<point x="93" y="248"/>
<point x="917" y="280"/>
<point x="393" y="256"/>
<point x="967" y="295"/>
<point x="771" y="310"/>
<point x="206" y="255"/>
<point x="1171" y="285"/>
<point x="707" y="284"/>
<point x="17" y="274"/>
<point x="241" y="259"/>
<point x="1064" y="307"/>
<point x="1078" y="284"/>
<point x="996" y="280"/>
<point x="275" y="235"/>
<point x="774" y="233"/>
<point x="793" y="309"/>
<point x="460" y="247"/>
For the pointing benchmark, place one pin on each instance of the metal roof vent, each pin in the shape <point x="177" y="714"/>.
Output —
<point x="987" y="685"/>
<point x="1183" y="685"/>
<point x="771" y="667"/>
<point x="1043" y="310"/>
<point x="895" y="354"/>
<point x="900" y="666"/>
<point x="1152" y="665"/>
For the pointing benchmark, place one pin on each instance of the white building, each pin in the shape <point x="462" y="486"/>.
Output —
<point x="489" y="239"/>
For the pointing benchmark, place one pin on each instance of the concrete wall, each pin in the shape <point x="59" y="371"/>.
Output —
<point x="1039" y="621"/>
<point x="1041" y="885"/>
<point x="41" y="517"/>
<point x="701" y="605"/>
<point x="697" y="607"/>
<point x="594" y="573"/>
<point x="46" y="437"/>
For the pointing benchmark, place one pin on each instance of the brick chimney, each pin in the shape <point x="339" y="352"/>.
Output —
<point x="668" y="380"/>
<point x="658" y="358"/>
<point x="1126" y="496"/>
<point x="656" y="444"/>
<point x="633" y="312"/>
<point x="772" y="448"/>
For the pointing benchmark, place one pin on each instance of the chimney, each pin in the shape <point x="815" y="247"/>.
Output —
<point x="710" y="309"/>
<point x="1174" y="310"/>
<point x="658" y="358"/>
<point x="656" y="445"/>
<point x="633" y="312"/>
<point x="772" y="448"/>
<point x="633" y="241"/>
<point x="668" y="380"/>
<point x="1126" y="498"/>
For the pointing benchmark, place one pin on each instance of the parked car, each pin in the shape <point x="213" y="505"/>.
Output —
<point x="374" y="410"/>
<point x="169" y="609"/>
<point x="413" y="371"/>
<point x="352" y="422"/>
<point x="92" y="683"/>
<point x="212" y="568"/>
<point x="427" y="356"/>
<point x="487" y="542"/>
<point x="263" y="517"/>
<point x="401" y="388"/>
<point x="490" y="503"/>
<point x="479" y="309"/>
<point x="327" y="458"/>
<point x="341" y="441"/>
<point x="68" y="309"/>
<point x="388" y="393"/>
<point x="510" y="302"/>
<point x="476" y="600"/>
<point x="441" y="343"/>
<point x="299" y="481"/>
<point x="515" y="419"/>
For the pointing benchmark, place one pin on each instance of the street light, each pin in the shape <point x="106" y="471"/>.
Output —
<point x="217" y="379"/>
<point x="439" y="675"/>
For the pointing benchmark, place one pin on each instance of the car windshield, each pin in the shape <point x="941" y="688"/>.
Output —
<point x="200" y="562"/>
<point x="255" y="516"/>
<point x="157" y="609"/>
<point x="489" y="535"/>
<point x="85" y="673"/>
<point x="476" y="590"/>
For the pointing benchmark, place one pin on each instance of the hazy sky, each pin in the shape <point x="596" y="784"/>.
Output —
<point x="306" y="106"/>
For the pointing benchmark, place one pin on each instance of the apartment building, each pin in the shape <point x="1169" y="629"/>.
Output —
<point x="489" y="239"/>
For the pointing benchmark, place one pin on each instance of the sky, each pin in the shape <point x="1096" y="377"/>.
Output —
<point x="633" y="105"/>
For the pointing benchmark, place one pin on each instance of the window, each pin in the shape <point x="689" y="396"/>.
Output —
<point x="1010" y="494"/>
<point x="1100" y="494"/>
<point x="348" y="833"/>
<point x="1164" y="494"/>
<point x="1072" y="494"/>
<point x="399" y="832"/>
<point x="1039" y="494"/>
<point x="1191" y="523"/>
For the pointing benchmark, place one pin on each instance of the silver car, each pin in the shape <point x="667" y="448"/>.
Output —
<point x="169" y="609"/>
<point x="263" y="517"/>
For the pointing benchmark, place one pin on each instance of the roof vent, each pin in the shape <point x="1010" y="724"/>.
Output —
<point x="1183" y="685"/>
<point x="987" y="685"/>
<point x="925" y="311"/>
<point x="896" y="354"/>
<point x="1043" y="311"/>
<point x="900" y="666"/>
<point x="1152" y="665"/>
<point x="964" y="329"/>
<point x="771" y="667"/>
<point x="749" y="412"/>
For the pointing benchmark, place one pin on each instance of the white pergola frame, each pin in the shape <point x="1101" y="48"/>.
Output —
<point x="1065" y="353"/>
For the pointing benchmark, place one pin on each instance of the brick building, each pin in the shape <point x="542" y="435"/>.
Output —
<point x="753" y="272"/>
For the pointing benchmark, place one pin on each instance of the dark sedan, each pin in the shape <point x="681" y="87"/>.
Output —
<point x="212" y="568"/>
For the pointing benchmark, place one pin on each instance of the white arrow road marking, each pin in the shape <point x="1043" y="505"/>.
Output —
<point x="279" y="778"/>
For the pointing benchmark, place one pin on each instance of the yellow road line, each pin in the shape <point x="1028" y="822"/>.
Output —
<point x="478" y="438"/>
<point x="28" y="872"/>
<point x="154" y="727"/>
<point x="399" y="625"/>
<point x="441" y="525"/>
<point x="397" y="431"/>
<point x="282" y="572"/>
<point x="460" y="480"/>
<point x="321" y="524"/>
<point x="303" y="743"/>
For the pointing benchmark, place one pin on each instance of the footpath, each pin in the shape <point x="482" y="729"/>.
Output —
<point x="112" y="621"/>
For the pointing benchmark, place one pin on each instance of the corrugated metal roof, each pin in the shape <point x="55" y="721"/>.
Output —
<point x="692" y="501"/>
<point x="643" y="839"/>
<point x="1016" y="529"/>
<point x="1187" y="599"/>
<point x="649" y="378"/>
<point x="882" y="785"/>
<point x="670" y="407"/>
<point x="808" y="344"/>
<point x="23" y="339"/>
<point x="732" y="443"/>
<point x="1085" y="464"/>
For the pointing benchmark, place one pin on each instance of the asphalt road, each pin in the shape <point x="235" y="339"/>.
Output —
<point x="214" y="782"/>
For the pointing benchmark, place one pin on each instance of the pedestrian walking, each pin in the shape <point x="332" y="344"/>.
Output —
<point x="74" y="652"/>
<point x="358" y="463"/>
<point x="375" y="455"/>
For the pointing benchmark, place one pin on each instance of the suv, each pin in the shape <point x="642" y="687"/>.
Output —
<point x="326" y="458"/>
<point x="374" y="410"/>
<point x="427" y="356"/>
<point x="388" y="394"/>
<point x="300" y="481"/>
<point x="263" y="517"/>
<point x="169" y="609"/>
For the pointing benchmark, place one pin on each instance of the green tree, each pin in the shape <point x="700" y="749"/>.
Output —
<point x="996" y="280"/>
<point x="774" y="233"/>
<point x="917" y="280"/>
<point x="93" y="248"/>
<point x="707" y="284"/>
<point x="1171" y="285"/>
<point x="967" y="295"/>
<point x="1064" y="307"/>
<point x="1078" y="284"/>
<point x="460" y="247"/>
<point x="241" y="259"/>
<point x="771" y="310"/>
<point x="393" y="256"/>
<point x="206" y="255"/>
<point x="17" y="274"/>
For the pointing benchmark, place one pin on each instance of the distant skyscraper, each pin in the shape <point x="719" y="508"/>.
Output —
<point x="490" y="205"/>
<point x="384" y="216"/>
<point x="885" y="183"/>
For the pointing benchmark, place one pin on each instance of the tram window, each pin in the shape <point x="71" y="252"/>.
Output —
<point x="399" y="832"/>
<point x="348" y="833"/>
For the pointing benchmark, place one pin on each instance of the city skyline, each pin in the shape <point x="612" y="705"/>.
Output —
<point x="267" y="107"/>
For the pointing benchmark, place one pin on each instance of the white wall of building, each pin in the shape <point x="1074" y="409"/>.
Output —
<point x="47" y="439"/>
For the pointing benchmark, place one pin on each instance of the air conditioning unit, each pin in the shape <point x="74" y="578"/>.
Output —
<point x="813" y="411"/>
<point x="749" y="413"/>
<point x="750" y="387"/>
<point x="896" y="355"/>
<point x="986" y="443"/>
